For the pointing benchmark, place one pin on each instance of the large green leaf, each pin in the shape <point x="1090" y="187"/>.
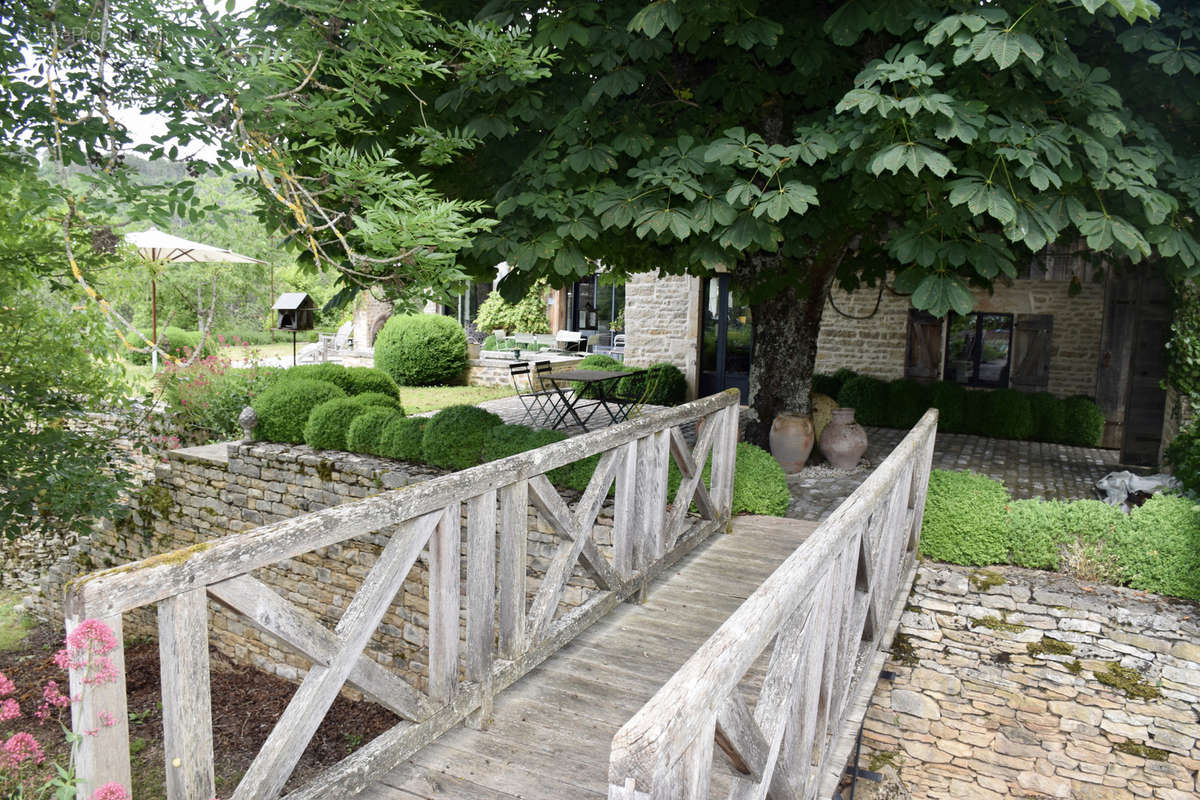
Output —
<point x="939" y="294"/>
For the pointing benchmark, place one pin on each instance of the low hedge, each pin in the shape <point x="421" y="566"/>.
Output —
<point x="970" y="519"/>
<point x="422" y="349"/>
<point x="950" y="399"/>
<point x="1049" y="416"/>
<point x="365" y="431"/>
<point x="759" y="483"/>
<point x="1083" y="423"/>
<point x="352" y="380"/>
<point x="329" y="423"/>
<point x="381" y="400"/>
<point x="868" y="397"/>
<point x="660" y="385"/>
<point x="401" y="439"/>
<point x="454" y="437"/>
<point x="1008" y="414"/>
<point x="907" y="401"/>
<point x="283" y="409"/>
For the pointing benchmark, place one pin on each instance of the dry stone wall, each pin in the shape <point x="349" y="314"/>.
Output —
<point x="204" y="493"/>
<point x="1019" y="683"/>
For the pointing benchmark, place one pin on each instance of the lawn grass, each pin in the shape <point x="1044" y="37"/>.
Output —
<point x="418" y="399"/>
<point x="14" y="626"/>
<point x="262" y="351"/>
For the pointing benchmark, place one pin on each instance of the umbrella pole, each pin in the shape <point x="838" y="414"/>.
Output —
<point x="293" y="348"/>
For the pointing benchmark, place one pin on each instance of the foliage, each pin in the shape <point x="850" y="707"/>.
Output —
<point x="1007" y="415"/>
<point x="283" y="408"/>
<point x="1074" y="536"/>
<point x="759" y="483"/>
<point x="1083" y="422"/>
<point x="1183" y="348"/>
<point x="58" y="363"/>
<point x="380" y="399"/>
<point x="907" y="401"/>
<point x="1049" y="416"/>
<point x="1183" y="454"/>
<point x="179" y="344"/>
<point x="202" y="401"/>
<point x="868" y="397"/>
<point x="528" y="315"/>
<point x="366" y="430"/>
<point x="975" y="408"/>
<point x="402" y="439"/>
<point x="950" y="399"/>
<point x="965" y="519"/>
<point x="422" y="349"/>
<point x="1158" y="547"/>
<point x="507" y="440"/>
<point x="661" y="384"/>
<point x="329" y="422"/>
<point x="597" y="362"/>
<point x="351" y="380"/>
<point x="455" y="435"/>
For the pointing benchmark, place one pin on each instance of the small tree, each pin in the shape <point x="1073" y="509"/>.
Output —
<point x="528" y="315"/>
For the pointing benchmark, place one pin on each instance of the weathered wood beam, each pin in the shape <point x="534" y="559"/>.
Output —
<point x="187" y="699"/>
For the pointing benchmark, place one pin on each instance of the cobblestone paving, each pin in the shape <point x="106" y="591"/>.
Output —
<point x="1028" y="469"/>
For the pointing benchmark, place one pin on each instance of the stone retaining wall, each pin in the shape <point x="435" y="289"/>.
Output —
<point x="494" y="371"/>
<point x="999" y="691"/>
<point x="203" y="493"/>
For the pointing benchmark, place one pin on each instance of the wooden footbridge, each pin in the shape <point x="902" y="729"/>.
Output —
<point x="737" y="665"/>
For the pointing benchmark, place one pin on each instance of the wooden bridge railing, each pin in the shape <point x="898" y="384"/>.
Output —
<point x="826" y="613"/>
<point x="503" y="640"/>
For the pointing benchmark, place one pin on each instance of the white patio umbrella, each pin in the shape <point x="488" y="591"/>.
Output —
<point x="156" y="246"/>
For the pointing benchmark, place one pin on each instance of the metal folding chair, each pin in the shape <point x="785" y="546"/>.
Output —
<point x="539" y="403"/>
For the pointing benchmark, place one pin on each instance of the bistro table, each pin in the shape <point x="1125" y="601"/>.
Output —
<point x="601" y="383"/>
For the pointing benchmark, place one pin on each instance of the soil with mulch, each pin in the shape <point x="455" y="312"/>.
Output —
<point x="246" y="703"/>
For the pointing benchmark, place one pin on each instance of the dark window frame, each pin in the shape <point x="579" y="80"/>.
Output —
<point x="974" y="380"/>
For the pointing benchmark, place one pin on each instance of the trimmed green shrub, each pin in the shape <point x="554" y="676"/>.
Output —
<point x="352" y="380"/>
<point x="1037" y="531"/>
<point x="329" y="423"/>
<point x="1008" y="414"/>
<point x="831" y="385"/>
<point x="1183" y="454"/>
<point x="759" y="483"/>
<point x="380" y="399"/>
<point x="422" y="350"/>
<point x="1083" y="422"/>
<point x="907" y="401"/>
<point x="975" y="411"/>
<point x="503" y="441"/>
<point x="1157" y="547"/>
<point x="950" y="399"/>
<point x="868" y="397"/>
<point x="965" y="520"/>
<point x="401" y="439"/>
<point x="660" y="385"/>
<point x="366" y="429"/>
<point x="454" y="436"/>
<point x="598" y="362"/>
<point x="1048" y="417"/>
<point x="283" y="408"/>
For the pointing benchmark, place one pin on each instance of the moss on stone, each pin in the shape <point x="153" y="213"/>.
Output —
<point x="1143" y="750"/>
<point x="1074" y="667"/>
<point x="1129" y="681"/>
<point x="998" y="624"/>
<point x="983" y="580"/>
<point x="887" y="758"/>
<point x="1051" y="646"/>
<point x="903" y="651"/>
<point x="156" y="498"/>
<point x="325" y="470"/>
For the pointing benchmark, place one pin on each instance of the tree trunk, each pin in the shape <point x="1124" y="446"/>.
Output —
<point x="785" y="326"/>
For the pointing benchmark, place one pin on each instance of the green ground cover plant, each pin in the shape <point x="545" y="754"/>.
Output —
<point x="971" y="519"/>
<point x="759" y="483"/>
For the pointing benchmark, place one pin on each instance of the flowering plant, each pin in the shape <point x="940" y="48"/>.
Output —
<point x="24" y="772"/>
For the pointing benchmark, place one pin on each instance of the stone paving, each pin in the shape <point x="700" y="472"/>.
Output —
<point x="1028" y="469"/>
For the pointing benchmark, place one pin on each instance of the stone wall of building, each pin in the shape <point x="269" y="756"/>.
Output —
<point x="873" y="341"/>
<point x="204" y="493"/>
<point x="662" y="323"/>
<point x="1004" y="687"/>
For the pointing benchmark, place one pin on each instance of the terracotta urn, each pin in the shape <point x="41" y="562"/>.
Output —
<point x="792" y="440"/>
<point x="843" y="441"/>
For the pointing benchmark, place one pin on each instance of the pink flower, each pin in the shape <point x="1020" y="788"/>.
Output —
<point x="7" y="687"/>
<point x="108" y="719"/>
<point x="19" y="748"/>
<point x="52" y="698"/>
<point x="9" y="709"/>
<point x="110" y="791"/>
<point x="85" y="651"/>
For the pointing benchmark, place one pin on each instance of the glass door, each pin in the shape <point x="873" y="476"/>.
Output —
<point x="726" y="340"/>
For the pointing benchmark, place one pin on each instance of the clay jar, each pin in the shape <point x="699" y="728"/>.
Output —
<point x="791" y="440"/>
<point x="843" y="441"/>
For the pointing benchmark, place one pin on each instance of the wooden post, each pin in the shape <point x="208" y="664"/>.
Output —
<point x="724" y="458"/>
<point x="186" y="698"/>
<point x="653" y="453"/>
<point x="102" y="757"/>
<point x="444" y="557"/>
<point x="514" y="525"/>
<point x="481" y="596"/>
<point x="625" y="512"/>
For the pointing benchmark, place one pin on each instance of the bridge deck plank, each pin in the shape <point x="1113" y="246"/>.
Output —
<point x="552" y="730"/>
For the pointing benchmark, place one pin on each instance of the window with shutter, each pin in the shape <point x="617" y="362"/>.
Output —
<point x="1031" y="352"/>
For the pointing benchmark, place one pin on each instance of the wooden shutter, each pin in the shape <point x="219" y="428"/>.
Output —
<point x="1031" y="352"/>
<point x="924" y="351"/>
